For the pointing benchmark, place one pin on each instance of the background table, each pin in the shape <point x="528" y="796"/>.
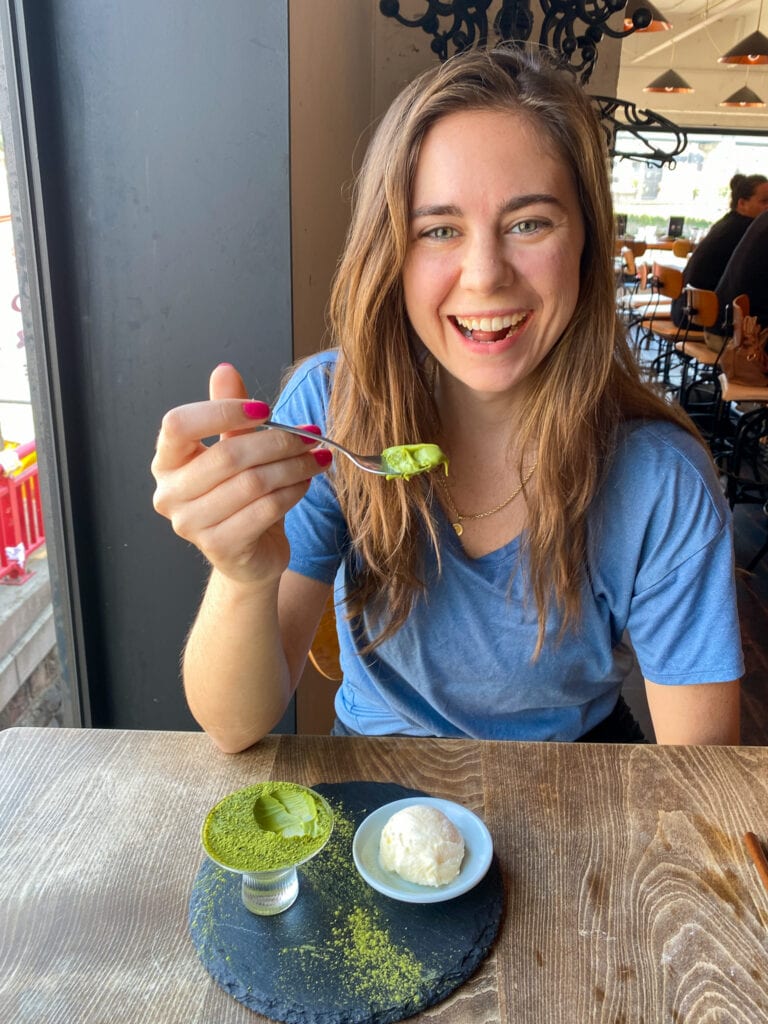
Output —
<point x="630" y="896"/>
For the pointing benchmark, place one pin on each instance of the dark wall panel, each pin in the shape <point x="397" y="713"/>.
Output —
<point x="162" y="132"/>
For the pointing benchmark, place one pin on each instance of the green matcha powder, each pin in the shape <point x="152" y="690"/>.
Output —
<point x="266" y="827"/>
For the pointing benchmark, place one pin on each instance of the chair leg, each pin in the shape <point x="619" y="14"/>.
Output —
<point x="758" y="557"/>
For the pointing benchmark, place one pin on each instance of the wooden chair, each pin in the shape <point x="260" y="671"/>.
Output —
<point x="324" y="652"/>
<point x="635" y="300"/>
<point x="627" y="282"/>
<point x="664" y="283"/>
<point x="681" y="248"/>
<point x="702" y="310"/>
<point x="668" y="281"/>
<point x="645" y="305"/>
<point x="700" y="386"/>
<point x="623" y="244"/>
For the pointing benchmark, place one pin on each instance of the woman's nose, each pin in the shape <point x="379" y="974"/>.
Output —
<point x="485" y="267"/>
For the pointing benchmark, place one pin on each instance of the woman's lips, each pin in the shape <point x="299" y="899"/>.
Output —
<point x="488" y="329"/>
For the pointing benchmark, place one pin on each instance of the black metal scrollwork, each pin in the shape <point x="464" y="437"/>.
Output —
<point x="468" y="27"/>
<point x="637" y="123"/>
<point x="571" y="28"/>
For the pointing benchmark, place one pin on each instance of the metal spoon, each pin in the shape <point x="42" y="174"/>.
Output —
<point x="369" y="463"/>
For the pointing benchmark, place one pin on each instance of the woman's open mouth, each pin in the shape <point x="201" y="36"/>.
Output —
<point x="489" y="329"/>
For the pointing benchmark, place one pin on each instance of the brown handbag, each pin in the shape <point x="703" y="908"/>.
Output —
<point x="745" y="360"/>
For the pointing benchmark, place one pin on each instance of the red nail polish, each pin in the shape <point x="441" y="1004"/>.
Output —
<point x="312" y="429"/>
<point x="322" y="457"/>
<point x="256" y="410"/>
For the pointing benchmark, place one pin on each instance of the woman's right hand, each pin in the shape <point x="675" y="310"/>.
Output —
<point x="229" y="498"/>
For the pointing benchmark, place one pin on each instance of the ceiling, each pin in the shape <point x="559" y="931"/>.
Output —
<point x="700" y="33"/>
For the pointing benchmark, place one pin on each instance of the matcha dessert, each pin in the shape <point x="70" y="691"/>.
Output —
<point x="407" y="460"/>
<point x="267" y="827"/>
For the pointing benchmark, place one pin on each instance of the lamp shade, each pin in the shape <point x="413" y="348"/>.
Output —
<point x="752" y="50"/>
<point x="658" y="22"/>
<point x="743" y="98"/>
<point x="670" y="81"/>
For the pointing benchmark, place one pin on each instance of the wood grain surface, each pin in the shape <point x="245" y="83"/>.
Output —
<point x="630" y="897"/>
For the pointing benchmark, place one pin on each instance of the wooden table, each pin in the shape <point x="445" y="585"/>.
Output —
<point x="629" y="893"/>
<point x="667" y="244"/>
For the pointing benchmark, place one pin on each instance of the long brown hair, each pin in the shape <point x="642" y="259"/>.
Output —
<point x="586" y="386"/>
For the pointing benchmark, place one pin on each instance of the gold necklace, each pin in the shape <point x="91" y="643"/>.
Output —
<point x="459" y="517"/>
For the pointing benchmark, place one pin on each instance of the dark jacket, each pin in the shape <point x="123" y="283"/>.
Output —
<point x="747" y="271"/>
<point x="708" y="260"/>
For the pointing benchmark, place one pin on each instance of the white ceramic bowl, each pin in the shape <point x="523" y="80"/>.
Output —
<point x="478" y="852"/>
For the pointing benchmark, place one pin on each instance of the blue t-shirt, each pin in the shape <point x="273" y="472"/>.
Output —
<point x="660" y="566"/>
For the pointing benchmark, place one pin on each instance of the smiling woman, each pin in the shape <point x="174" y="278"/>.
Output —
<point x="491" y="278"/>
<point x="473" y="307"/>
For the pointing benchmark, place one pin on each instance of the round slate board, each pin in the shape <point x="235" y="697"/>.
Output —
<point x="343" y="953"/>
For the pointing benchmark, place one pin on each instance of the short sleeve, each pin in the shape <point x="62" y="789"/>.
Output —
<point x="685" y="627"/>
<point x="666" y="563"/>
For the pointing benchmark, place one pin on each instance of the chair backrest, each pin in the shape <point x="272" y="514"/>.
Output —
<point x="643" y="273"/>
<point x="628" y="259"/>
<point x="701" y="306"/>
<point x="667" y="281"/>
<point x="620" y="245"/>
<point x="681" y="247"/>
<point x="324" y="652"/>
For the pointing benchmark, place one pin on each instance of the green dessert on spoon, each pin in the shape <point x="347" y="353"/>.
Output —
<point x="407" y="460"/>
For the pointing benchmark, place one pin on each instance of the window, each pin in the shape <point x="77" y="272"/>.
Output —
<point x="696" y="188"/>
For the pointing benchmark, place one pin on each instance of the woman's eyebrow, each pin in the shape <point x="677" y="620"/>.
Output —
<point x="510" y="206"/>
<point x="438" y="210"/>
<point x="530" y="199"/>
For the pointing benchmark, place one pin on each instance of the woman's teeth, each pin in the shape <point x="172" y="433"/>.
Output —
<point x="489" y="328"/>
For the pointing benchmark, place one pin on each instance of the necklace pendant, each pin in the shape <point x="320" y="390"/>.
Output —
<point x="458" y="528"/>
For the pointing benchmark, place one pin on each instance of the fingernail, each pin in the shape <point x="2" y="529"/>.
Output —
<point x="312" y="429"/>
<point x="256" y="410"/>
<point x="223" y="364"/>
<point x="322" y="457"/>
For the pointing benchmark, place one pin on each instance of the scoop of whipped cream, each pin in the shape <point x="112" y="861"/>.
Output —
<point x="422" y="845"/>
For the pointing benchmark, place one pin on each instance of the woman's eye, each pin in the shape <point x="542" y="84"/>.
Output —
<point x="528" y="227"/>
<point x="439" y="233"/>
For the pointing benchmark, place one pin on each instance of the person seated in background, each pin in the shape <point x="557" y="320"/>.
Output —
<point x="746" y="274"/>
<point x="749" y="198"/>
<point x="473" y="307"/>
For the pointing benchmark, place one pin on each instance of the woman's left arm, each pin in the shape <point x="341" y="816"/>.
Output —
<point x="700" y="713"/>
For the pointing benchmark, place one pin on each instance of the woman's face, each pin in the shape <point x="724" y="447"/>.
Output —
<point x="491" y="276"/>
<point x="756" y="204"/>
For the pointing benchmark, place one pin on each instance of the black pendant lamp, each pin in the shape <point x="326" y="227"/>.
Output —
<point x="743" y="98"/>
<point x="670" y="81"/>
<point x="752" y="50"/>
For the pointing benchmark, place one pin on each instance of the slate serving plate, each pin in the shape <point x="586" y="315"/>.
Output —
<point x="343" y="953"/>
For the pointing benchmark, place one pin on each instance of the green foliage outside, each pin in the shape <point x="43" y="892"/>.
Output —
<point x="636" y="222"/>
